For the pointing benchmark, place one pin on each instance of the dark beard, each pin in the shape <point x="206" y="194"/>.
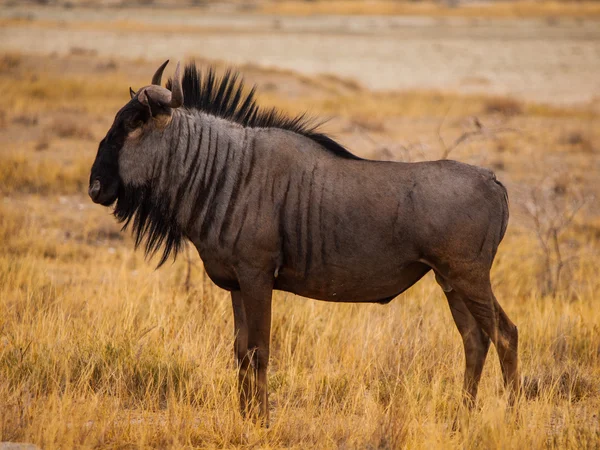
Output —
<point x="151" y="221"/>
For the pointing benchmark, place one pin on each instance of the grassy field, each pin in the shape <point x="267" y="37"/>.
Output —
<point x="99" y="350"/>
<point x="506" y="9"/>
<point x="499" y="9"/>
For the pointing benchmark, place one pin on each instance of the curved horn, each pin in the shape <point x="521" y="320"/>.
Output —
<point x="156" y="79"/>
<point x="131" y="92"/>
<point x="176" y="90"/>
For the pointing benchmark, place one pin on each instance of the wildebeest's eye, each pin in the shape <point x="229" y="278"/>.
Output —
<point x="135" y="123"/>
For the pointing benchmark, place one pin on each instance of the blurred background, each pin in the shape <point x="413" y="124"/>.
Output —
<point x="512" y="86"/>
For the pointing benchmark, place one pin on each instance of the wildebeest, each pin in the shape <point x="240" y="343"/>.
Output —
<point x="271" y="203"/>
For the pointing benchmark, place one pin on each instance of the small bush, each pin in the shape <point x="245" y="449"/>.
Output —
<point x="577" y="140"/>
<point x="110" y="65"/>
<point x="28" y="120"/>
<point x="10" y="62"/>
<point x="42" y="144"/>
<point x="81" y="51"/>
<point x="505" y="106"/>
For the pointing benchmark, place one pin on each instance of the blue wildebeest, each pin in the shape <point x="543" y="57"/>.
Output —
<point x="271" y="203"/>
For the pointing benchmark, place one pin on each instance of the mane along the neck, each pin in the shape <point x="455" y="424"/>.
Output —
<point x="224" y="97"/>
<point x="155" y="209"/>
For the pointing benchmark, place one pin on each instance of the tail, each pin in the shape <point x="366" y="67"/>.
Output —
<point x="505" y="214"/>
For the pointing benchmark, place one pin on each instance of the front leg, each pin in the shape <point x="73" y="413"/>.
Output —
<point x="240" y="348"/>
<point x="256" y="293"/>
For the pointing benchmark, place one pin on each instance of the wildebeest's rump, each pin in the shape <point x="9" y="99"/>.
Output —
<point x="271" y="203"/>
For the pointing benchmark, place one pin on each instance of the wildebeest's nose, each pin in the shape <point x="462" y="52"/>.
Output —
<point x="94" y="190"/>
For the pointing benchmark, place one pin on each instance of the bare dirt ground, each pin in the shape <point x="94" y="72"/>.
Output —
<point x="548" y="60"/>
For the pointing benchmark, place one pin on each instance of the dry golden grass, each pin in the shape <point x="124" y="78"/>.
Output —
<point x="20" y="174"/>
<point x="103" y="92"/>
<point x="53" y="93"/>
<point x="98" y="350"/>
<point x="500" y="9"/>
<point x="504" y="9"/>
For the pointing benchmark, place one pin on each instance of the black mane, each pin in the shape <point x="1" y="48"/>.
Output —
<point x="224" y="97"/>
<point x="151" y="221"/>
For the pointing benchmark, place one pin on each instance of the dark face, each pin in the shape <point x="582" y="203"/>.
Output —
<point x="104" y="179"/>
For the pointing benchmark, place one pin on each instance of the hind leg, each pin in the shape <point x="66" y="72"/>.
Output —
<point x="476" y="291"/>
<point x="476" y="342"/>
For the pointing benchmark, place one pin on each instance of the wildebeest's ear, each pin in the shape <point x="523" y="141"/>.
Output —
<point x="157" y="108"/>
<point x="131" y="92"/>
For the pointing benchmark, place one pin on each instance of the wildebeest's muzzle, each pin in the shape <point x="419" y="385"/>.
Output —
<point x="104" y="178"/>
